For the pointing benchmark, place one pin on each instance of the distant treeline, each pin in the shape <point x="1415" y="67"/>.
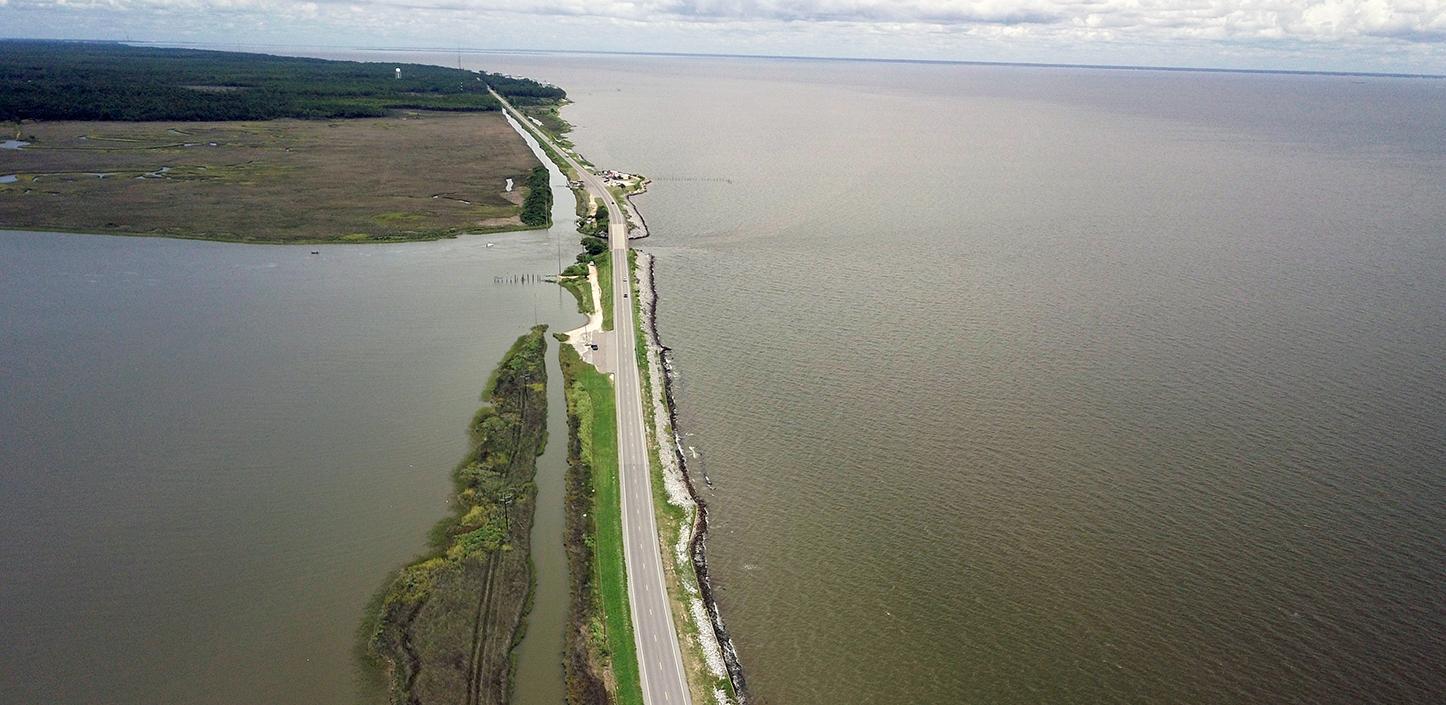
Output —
<point x="537" y="205"/>
<point x="104" y="81"/>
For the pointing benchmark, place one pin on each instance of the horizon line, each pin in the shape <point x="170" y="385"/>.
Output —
<point x="776" y="57"/>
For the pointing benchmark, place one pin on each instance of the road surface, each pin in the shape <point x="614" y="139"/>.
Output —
<point x="660" y="661"/>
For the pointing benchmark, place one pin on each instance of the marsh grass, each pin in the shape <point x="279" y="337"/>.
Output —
<point x="418" y="176"/>
<point x="444" y="628"/>
<point x="605" y="282"/>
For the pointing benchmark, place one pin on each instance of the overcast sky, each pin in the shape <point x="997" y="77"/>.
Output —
<point x="1340" y="35"/>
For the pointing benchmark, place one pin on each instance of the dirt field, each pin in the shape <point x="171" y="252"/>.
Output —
<point x="414" y="176"/>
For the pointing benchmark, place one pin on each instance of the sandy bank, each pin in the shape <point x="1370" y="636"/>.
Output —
<point x="584" y="336"/>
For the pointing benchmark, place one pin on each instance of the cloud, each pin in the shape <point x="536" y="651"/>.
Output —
<point x="1405" y="35"/>
<point x="1406" y="20"/>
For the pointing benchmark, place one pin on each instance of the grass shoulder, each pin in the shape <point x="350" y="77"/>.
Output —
<point x="605" y="283"/>
<point x="549" y="119"/>
<point x="600" y="647"/>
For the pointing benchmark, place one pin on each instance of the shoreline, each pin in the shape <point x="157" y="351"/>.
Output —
<point x="633" y="211"/>
<point x="502" y="230"/>
<point x="696" y="545"/>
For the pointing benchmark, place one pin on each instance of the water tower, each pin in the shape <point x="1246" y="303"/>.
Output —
<point x="399" y="73"/>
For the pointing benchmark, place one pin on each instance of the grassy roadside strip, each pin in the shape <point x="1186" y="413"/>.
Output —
<point x="550" y="118"/>
<point x="544" y="140"/>
<point x="605" y="282"/>
<point x="554" y="126"/>
<point x="675" y="525"/>
<point x="591" y="402"/>
<point x="641" y="349"/>
<point x="584" y="647"/>
<point x="620" y="194"/>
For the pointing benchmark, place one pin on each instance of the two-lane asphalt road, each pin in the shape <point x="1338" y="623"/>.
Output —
<point x="660" y="660"/>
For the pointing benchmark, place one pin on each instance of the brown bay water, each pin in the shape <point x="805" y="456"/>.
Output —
<point x="213" y="455"/>
<point x="1024" y="385"/>
<point x="1016" y="385"/>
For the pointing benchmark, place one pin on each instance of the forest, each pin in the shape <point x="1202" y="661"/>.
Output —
<point x="52" y="80"/>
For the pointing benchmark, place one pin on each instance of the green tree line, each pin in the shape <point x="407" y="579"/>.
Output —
<point x="537" y="205"/>
<point x="48" y="80"/>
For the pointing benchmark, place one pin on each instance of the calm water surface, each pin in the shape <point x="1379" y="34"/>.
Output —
<point x="215" y="454"/>
<point x="1028" y="385"/>
<point x="1016" y="385"/>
